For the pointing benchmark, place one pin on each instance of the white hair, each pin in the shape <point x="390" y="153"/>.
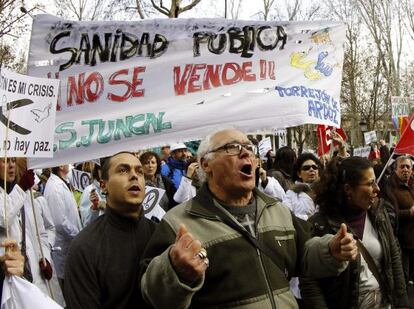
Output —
<point x="206" y="146"/>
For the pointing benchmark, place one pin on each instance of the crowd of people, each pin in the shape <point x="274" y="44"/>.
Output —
<point x="296" y="231"/>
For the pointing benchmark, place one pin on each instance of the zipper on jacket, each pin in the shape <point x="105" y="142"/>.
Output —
<point x="269" y="290"/>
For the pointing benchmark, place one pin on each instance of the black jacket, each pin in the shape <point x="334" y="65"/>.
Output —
<point x="343" y="291"/>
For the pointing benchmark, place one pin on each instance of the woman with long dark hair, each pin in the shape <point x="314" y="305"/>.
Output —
<point x="347" y="193"/>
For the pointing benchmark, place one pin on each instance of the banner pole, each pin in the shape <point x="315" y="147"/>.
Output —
<point x="39" y="241"/>
<point x="385" y="168"/>
<point x="5" y="144"/>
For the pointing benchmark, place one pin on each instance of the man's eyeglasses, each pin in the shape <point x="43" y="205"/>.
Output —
<point x="372" y="184"/>
<point x="236" y="148"/>
<point x="308" y="167"/>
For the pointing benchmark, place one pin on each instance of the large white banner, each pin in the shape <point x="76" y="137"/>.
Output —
<point x="132" y="85"/>
<point x="27" y="109"/>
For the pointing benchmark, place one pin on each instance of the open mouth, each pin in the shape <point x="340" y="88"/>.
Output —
<point x="134" y="189"/>
<point x="247" y="169"/>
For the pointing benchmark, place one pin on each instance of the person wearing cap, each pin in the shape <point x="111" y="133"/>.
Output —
<point x="175" y="166"/>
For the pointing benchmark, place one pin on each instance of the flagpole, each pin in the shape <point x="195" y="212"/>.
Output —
<point x="6" y="221"/>
<point x="385" y="168"/>
<point x="39" y="242"/>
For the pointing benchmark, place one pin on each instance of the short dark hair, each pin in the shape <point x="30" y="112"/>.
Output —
<point x="302" y="159"/>
<point x="107" y="163"/>
<point x="146" y="156"/>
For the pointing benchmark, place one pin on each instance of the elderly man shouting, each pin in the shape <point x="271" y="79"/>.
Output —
<point x="231" y="245"/>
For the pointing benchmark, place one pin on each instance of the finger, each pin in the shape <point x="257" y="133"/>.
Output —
<point x="195" y="246"/>
<point x="181" y="231"/>
<point x="347" y="239"/>
<point x="342" y="231"/>
<point x="185" y="241"/>
<point x="9" y="244"/>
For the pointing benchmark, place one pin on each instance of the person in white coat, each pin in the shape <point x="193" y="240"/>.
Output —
<point x="65" y="215"/>
<point x="92" y="201"/>
<point x="20" y="214"/>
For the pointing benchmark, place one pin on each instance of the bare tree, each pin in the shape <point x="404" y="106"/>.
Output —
<point x="383" y="19"/>
<point x="175" y="8"/>
<point x="12" y="15"/>
<point x="85" y="9"/>
<point x="267" y="6"/>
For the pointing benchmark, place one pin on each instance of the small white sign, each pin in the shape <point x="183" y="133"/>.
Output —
<point x="264" y="146"/>
<point x="362" y="152"/>
<point x="27" y="115"/>
<point x="370" y="137"/>
<point x="80" y="179"/>
<point x="151" y="203"/>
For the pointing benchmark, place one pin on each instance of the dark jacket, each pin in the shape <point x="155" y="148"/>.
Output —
<point x="102" y="266"/>
<point x="404" y="197"/>
<point x="170" y="191"/>
<point x="343" y="291"/>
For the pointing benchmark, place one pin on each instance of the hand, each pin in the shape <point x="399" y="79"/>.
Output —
<point x="262" y="174"/>
<point x="26" y="182"/>
<point x="102" y="205"/>
<point x="45" y="269"/>
<point x="94" y="199"/>
<point x="191" y="169"/>
<point x="343" y="245"/>
<point x="184" y="257"/>
<point x="13" y="260"/>
<point x="412" y="211"/>
<point x="337" y="138"/>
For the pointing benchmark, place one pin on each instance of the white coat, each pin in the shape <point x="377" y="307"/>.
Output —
<point x="273" y="188"/>
<point x="16" y="200"/>
<point x="65" y="216"/>
<point x="186" y="191"/>
<point x="89" y="215"/>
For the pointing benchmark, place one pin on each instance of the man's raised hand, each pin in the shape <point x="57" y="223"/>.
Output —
<point x="188" y="257"/>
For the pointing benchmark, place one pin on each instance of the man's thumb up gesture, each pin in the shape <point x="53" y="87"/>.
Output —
<point x="343" y="246"/>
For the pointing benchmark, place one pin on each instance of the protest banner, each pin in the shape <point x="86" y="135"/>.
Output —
<point x="151" y="202"/>
<point x="362" y="152"/>
<point x="264" y="146"/>
<point x="80" y="179"/>
<point x="370" y="137"/>
<point x="28" y="108"/>
<point x="133" y="85"/>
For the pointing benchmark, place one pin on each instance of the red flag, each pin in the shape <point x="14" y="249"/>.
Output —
<point x="406" y="143"/>
<point x="324" y="138"/>
<point x="404" y="124"/>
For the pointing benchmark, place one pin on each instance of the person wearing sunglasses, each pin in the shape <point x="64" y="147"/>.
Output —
<point x="348" y="192"/>
<point x="210" y="252"/>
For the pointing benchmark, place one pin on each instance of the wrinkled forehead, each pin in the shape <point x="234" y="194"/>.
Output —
<point x="405" y="162"/>
<point x="228" y="136"/>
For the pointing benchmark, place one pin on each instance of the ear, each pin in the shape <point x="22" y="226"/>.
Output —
<point x="205" y="166"/>
<point x="347" y="189"/>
